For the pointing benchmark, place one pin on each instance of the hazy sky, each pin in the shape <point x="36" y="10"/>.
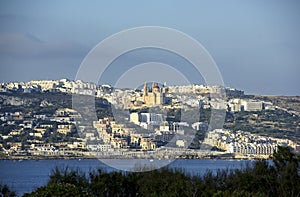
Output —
<point x="256" y="44"/>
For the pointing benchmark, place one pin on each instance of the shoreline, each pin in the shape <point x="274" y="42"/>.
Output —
<point x="37" y="158"/>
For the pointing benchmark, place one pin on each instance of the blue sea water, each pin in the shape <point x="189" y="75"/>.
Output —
<point x="27" y="175"/>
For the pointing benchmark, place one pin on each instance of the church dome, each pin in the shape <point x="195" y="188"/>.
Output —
<point x="155" y="86"/>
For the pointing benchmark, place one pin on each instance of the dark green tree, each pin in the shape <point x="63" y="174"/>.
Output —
<point x="287" y="167"/>
<point x="6" y="192"/>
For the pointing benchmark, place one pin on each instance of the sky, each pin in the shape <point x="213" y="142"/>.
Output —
<point x="255" y="44"/>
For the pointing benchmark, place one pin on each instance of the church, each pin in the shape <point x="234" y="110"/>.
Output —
<point x="153" y="97"/>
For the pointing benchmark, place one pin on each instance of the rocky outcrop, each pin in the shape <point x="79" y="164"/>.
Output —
<point x="16" y="101"/>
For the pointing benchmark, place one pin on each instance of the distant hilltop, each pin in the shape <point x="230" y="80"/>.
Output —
<point x="88" y="88"/>
<point x="63" y="85"/>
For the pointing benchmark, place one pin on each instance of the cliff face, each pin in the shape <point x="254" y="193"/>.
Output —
<point x="17" y="101"/>
<point x="45" y="99"/>
<point x="35" y="99"/>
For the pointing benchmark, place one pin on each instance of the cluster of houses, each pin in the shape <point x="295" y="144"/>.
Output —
<point x="63" y="85"/>
<point x="105" y="136"/>
<point x="245" y="143"/>
<point x="29" y="133"/>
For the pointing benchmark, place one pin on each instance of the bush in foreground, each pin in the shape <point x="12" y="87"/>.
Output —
<point x="6" y="192"/>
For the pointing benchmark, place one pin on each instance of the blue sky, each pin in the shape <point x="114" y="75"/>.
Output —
<point x="256" y="44"/>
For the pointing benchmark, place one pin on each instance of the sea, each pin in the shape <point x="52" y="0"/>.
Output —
<point x="24" y="176"/>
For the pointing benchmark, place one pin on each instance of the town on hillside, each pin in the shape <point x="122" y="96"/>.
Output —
<point x="38" y="119"/>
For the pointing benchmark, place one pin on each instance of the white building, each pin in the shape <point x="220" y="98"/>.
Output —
<point x="181" y="143"/>
<point x="203" y="126"/>
<point x="252" y="105"/>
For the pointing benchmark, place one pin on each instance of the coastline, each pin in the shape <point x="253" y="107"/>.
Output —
<point x="184" y="157"/>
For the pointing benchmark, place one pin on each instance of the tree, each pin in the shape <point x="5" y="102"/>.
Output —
<point x="55" y="189"/>
<point x="288" y="179"/>
<point x="6" y="192"/>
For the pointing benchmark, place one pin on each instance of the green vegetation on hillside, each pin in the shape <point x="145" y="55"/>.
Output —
<point x="276" y="123"/>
